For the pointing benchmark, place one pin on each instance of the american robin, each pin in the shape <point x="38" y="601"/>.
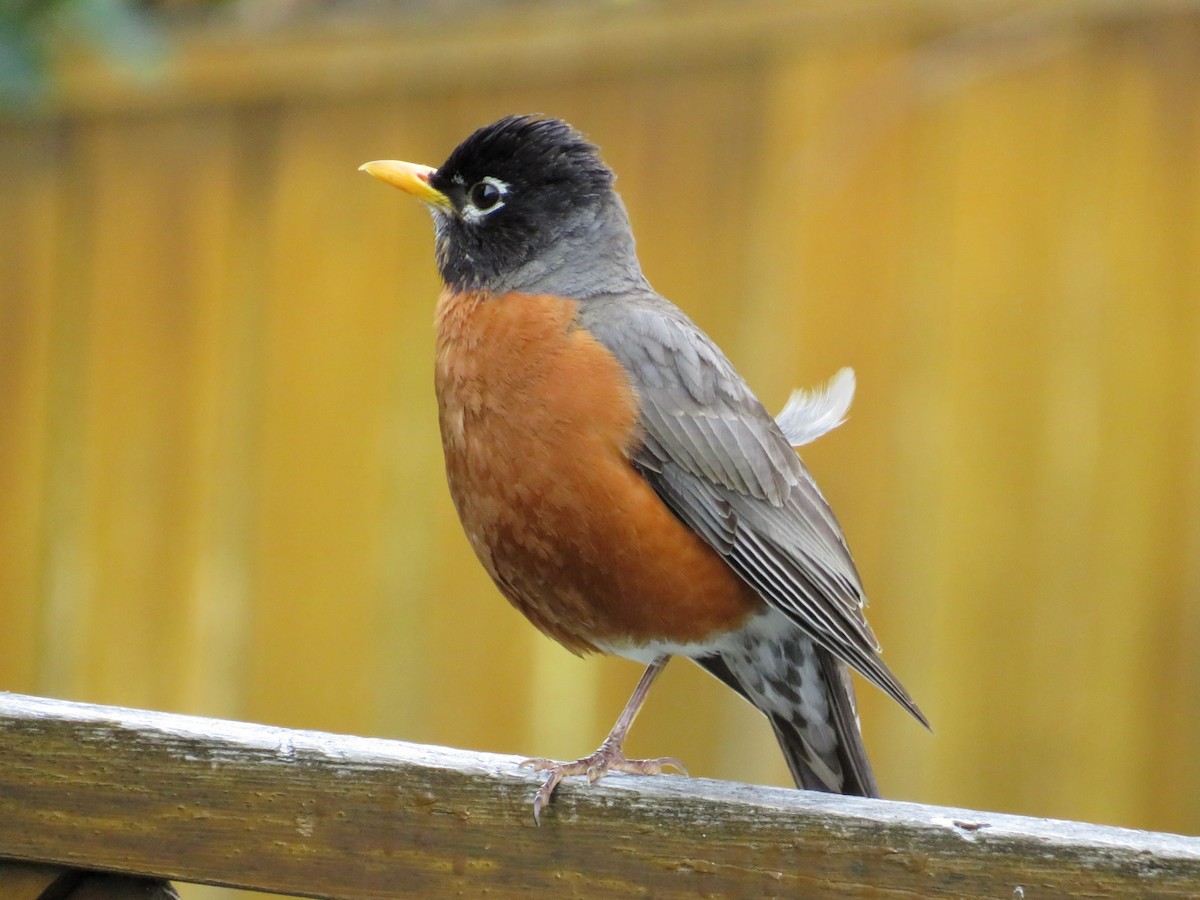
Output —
<point x="613" y="472"/>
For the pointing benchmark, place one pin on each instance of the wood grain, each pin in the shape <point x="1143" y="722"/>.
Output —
<point x="28" y="881"/>
<point x="318" y="814"/>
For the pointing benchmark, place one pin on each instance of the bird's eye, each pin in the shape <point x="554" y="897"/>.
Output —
<point x="485" y="195"/>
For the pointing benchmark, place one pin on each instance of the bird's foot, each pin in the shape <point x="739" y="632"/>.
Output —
<point x="608" y="758"/>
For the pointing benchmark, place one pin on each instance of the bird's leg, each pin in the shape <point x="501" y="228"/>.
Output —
<point x="608" y="758"/>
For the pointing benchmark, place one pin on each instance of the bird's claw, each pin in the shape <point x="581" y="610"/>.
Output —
<point x="606" y="759"/>
<point x="538" y="764"/>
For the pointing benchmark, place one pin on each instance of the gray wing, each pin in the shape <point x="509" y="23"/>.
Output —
<point x="721" y="464"/>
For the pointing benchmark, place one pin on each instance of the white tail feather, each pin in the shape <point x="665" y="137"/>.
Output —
<point x="808" y="414"/>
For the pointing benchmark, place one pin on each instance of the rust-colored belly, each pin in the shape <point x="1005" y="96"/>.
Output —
<point x="537" y="418"/>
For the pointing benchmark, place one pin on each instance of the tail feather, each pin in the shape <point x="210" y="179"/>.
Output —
<point x="839" y="764"/>
<point x="856" y="775"/>
<point x="808" y="414"/>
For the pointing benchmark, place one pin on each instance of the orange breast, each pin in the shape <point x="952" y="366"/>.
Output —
<point x="536" y="418"/>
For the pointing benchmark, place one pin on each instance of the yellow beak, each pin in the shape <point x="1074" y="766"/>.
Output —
<point x="411" y="178"/>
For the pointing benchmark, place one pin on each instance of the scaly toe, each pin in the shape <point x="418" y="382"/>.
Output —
<point x="652" y="766"/>
<point x="595" y="767"/>
<point x="597" y="770"/>
<point x="543" y="795"/>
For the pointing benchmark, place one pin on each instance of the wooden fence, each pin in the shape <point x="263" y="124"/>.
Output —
<point x="325" y="815"/>
<point x="219" y="468"/>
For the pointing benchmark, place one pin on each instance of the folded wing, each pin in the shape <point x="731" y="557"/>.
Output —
<point x="725" y="468"/>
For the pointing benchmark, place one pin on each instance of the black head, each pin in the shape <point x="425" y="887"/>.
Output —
<point x="514" y="186"/>
<point x="509" y="195"/>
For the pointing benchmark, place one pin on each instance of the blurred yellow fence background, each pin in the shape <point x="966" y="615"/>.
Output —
<point x="220" y="474"/>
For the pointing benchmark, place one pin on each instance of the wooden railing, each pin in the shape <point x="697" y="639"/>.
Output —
<point x="301" y="812"/>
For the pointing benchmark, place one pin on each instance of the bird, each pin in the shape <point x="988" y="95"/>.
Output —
<point x="613" y="472"/>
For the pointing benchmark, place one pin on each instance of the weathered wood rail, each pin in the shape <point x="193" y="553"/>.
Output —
<point x="302" y="812"/>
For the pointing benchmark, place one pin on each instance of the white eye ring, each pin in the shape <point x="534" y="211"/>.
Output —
<point x="494" y="189"/>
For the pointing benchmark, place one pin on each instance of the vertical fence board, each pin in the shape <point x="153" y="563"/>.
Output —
<point x="30" y="212"/>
